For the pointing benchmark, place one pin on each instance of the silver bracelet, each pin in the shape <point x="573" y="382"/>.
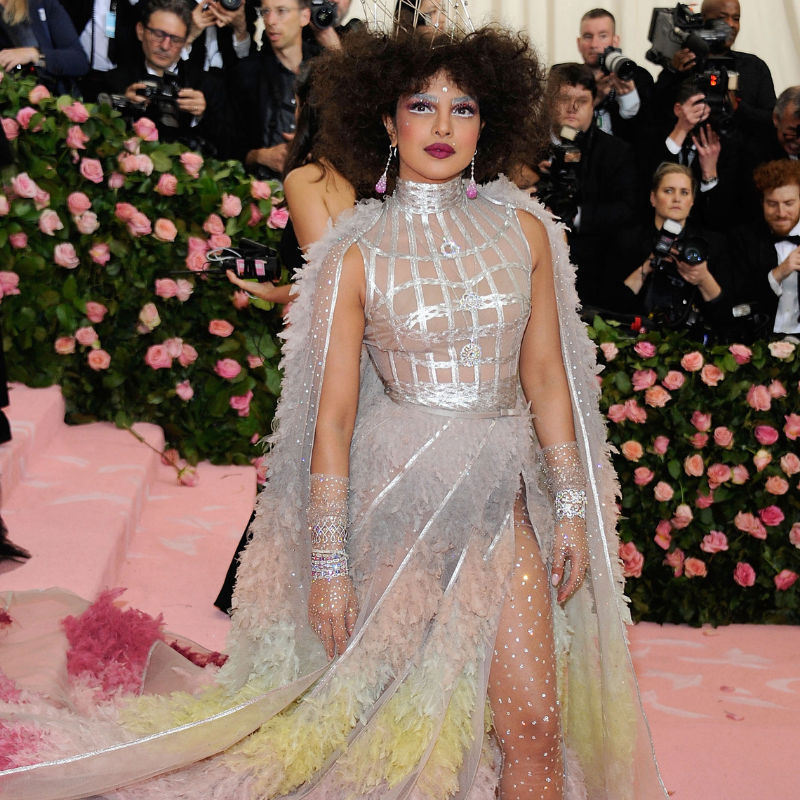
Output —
<point x="570" y="503"/>
<point x="328" y="565"/>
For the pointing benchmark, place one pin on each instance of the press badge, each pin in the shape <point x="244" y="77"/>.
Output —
<point x="42" y="15"/>
<point x="111" y="23"/>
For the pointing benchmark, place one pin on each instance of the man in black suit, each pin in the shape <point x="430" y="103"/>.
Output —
<point x="603" y="195"/>
<point x="768" y="254"/>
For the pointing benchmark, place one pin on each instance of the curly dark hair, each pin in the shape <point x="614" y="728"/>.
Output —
<point x="774" y="174"/>
<point x="354" y="88"/>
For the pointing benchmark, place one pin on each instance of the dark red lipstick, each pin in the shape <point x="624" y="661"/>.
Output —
<point x="439" y="150"/>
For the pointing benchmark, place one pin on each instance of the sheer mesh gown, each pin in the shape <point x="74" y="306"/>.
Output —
<point x="449" y="539"/>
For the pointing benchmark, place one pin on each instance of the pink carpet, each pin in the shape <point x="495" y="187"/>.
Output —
<point x="98" y="509"/>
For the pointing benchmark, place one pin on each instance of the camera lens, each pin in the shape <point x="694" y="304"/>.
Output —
<point x="230" y="5"/>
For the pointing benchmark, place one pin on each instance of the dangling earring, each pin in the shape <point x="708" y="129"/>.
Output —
<point x="380" y="186"/>
<point x="472" y="187"/>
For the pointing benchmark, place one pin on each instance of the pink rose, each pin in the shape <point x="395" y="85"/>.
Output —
<point x="766" y="434"/>
<point x="165" y="230"/>
<point x="10" y="128"/>
<point x="196" y="261"/>
<point x="711" y="375"/>
<point x="260" y="190"/>
<point x="643" y="379"/>
<point x="87" y="223"/>
<point x="38" y="93"/>
<point x="278" y="217"/>
<point x="692" y="362"/>
<point x="632" y="450"/>
<point x="776" y="390"/>
<point x="64" y="255"/>
<point x="124" y="211"/>
<point x="77" y="203"/>
<point x="218" y="240"/>
<point x="682" y="517"/>
<point x="214" y="224"/>
<point x="776" y="485"/>
<point x="634" y="412"/>
<point x="661" y="445"/>
<point x="192" y="162"/>
<point x="241" y="403"/>
<point x="255" y="215"/>
<point x="663" y="537"/>
<point x="794" y="534"/>
<point x="231" y="205"/>
<point x="632" y="560"/>
<point x="86" y="335"/>
<point x="24" y="117"/>
<point x="98" y="359"/>
<point x="762" y="459"/>
<point x="673" y="380"/>
<point x="781" y="349"/>
<point x="185" y="290"/>
<point x="792" y="426"/>
<point x="187" y="475"/>
<point x="148" y="317"/>
<point x="714" y="542"/>
<point x="100" y="253"/>
<point x="741" y="353"/>
<point x="240" y="299"/>
<point x="744" y="574"/>
<point x="197" y="245"/>
<point x="116" y="180"/>
<point x="695" y="568"/>
<point x="157" y="357"/>
<point x="705" y="500"/>
<point x="166" y="287"/>
<point x="771" y="516"/>
<point x="167" y="185"/>
<point x="645" y="349"/>
<point x="92" y="170"/>
<point x="95" y="312"/>
<point x="64" y="345"/>
<point x="9" y="283"/>
<point x="184" y="390"/>
<point x="18" y="240"/>
<point x="723" y="437"/>
<point x="41" y="199"/>
<point x="718" y="474"/>
<point x="139" y="225"/>
<point x="790" y="464"/>
<point x="699" y="440"/>
<point x="676" y="559"/>
<point x="188" y="355"/>
<point x="220" y="327"/>
<point x="254" y="362"/>
<point x="748" y="523"/>
<point x="656" y="397"/>
<point x="663" y="492"/>
<point x="701" y="421"/>
<point x="642" y="476"/>
<point x="693" y="465"/>
<point x="227" y="368"/>
<point x="758" y="398"/>
<point x="76" y="138"/>
<point x="127" y="161"/>
<point x="740" y="475"/>
<point x="144" y="164"/>
<point x="76" y="112"/>
<point x="260" y="464"/>
<point x="173" y="346"/>
<point x="785" y="579"/>
<point x="610" y="350"/>
<point x="616" y="413"/>
<point x="24" y="186"/>
<point x="146" y="129"/>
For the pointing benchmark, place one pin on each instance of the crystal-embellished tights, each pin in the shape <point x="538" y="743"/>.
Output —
<point x="522" y="680"/>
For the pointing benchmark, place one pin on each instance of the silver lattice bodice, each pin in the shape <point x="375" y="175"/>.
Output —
<point x="448" y="298"/>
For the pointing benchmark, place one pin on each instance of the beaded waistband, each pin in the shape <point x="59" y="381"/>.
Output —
<point x="462" y="414"/>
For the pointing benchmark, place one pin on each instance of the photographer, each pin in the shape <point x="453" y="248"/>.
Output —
<point x="325" y="26"/>
<point x="670" y="267"/>
<point x="590" y="181"/>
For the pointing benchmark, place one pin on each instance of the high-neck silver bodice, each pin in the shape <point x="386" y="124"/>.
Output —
<point x="448" y="298"/>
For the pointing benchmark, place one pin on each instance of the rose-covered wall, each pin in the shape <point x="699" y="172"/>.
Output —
<point x="97" y="222"/>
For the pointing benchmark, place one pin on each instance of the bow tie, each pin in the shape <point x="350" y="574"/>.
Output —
<point x="793" y="239"/>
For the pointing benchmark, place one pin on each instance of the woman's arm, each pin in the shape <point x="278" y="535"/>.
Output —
<point x="63" y="52"/>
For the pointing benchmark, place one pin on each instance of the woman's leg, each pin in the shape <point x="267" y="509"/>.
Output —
<point x="522" y="681"/>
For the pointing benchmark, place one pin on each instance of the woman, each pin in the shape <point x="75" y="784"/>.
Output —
<point x="39" y="34"/>
<point x="670" y="276"/>
<point x="405" y="562"/>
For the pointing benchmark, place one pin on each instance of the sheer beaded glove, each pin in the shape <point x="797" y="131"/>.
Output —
<point x="332" y="602"/>
<point x="566" y="481"/>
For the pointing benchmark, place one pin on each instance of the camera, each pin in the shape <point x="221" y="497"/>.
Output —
<point x="558" y="189"/>
<point x="250" y="260"/>
<point x="613" y="62"/>
<point x="161" y="104"/>
<point x="670" y="242"/>
<point x="672" y="29"/>
<point x="323" y="13"/>
<point x="230" y="5"/>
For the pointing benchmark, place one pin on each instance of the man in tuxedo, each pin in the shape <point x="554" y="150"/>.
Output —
<point x="768" y="254"/>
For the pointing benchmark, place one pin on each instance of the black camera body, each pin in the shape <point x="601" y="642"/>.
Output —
<point x="230" y="5"/>
<point x="161" y="104"/>
<point x="558" y="189"/>
<point x="672" y="29"/>
<point x="323" y="13"/>
<point x="671" y="243"/>
<point x="249" y="260"/>
<point x="613" y="62"/>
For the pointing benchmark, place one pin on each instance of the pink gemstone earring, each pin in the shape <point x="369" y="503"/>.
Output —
<point x="380" y="186"/>
<point x="472" y="187"/>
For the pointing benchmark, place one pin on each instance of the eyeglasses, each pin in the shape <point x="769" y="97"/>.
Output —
<point x="280" y="12"/>
<point x="160" y="37"/>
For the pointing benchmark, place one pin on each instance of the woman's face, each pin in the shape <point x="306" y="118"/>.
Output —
<point x="436" y="131"/>
<point x="673" y="199"/>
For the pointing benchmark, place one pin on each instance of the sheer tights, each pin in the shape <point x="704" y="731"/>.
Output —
<point x="522" y="680"/>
